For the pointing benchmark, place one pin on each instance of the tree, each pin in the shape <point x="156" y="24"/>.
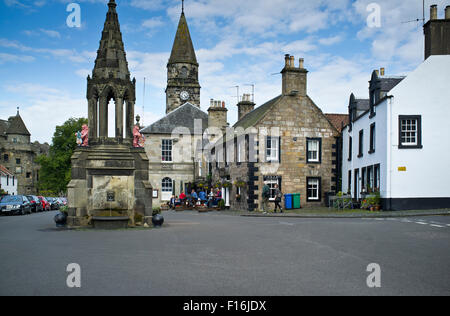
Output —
<point x="55" y="171"/>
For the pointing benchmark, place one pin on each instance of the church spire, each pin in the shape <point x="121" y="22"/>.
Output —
<point x="183" y="49"/>
<point x="111" y="58"/>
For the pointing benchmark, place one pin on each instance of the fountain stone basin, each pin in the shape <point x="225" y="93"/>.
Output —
<point x="110" y="219"/>
<point x="110" y="222"/>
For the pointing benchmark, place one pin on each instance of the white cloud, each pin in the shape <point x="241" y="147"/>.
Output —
<point x="44" y="108"/>
<point x="51" y="33"/>
<point x="8" y="58"/>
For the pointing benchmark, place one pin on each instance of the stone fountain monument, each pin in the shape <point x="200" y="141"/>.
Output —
<point x="110" y="175"/>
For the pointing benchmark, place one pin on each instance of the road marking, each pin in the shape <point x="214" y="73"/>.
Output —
<point x="448" y="225"/>
<point x="286" y="223"/>
<point x="421" y="223"/>
<point x="439" y="226"/>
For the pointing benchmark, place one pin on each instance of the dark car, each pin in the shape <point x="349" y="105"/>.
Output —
<point x="15" y="205"/>
<point x="36" y="205"/>
<point x="54" y="205"/>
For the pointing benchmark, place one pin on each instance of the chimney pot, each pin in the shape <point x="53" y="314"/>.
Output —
<point x="223" y="104"/>
<point x="378" y="72"/>
<point x="447" y="12"/>
<point x="292" y="62"/>
<point x="382" y="70"/>
<point x="433" y="12"/>
<point x="302" y="63"/>
<point x="286" y="59"/>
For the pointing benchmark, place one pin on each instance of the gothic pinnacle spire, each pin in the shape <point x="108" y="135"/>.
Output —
<point x="111" y="57"/>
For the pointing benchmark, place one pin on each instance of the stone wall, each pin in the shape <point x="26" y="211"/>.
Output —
<point x="297" y="118"/>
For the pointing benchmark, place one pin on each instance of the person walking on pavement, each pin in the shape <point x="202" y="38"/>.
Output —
<point x="278" y="196"/>
<point x="265" y="198"/>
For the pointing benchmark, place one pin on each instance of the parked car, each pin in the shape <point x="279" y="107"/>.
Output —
<point x="45" y="203"/>
<point x="64" y="200"/>
<point x="36" y="205"/>
<point x="15" y="205"/>
<point x="54" y="204"/>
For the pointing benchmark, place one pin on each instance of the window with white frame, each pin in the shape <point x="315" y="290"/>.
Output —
<point x="272" y="149"/>
<point x="313" y="149"/>
<point x="271" y="181"/>
<point x="166" y="150"/>
<point x="167" y="185"/>
<point x="239" y="151"/>
<point x="313" y="190"/>
<point x="410" y="132"/>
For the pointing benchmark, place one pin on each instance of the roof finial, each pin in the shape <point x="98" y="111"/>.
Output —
<point x="17" y="110"/>
<point x="182" y="6"/>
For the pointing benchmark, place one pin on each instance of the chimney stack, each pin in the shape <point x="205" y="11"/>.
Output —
<point x="294" y="80"/>
<point x="217" y="115"/>
<point x="433" y="12"/>
<point x="437" y="33"/>
<point x="245" y="106"/>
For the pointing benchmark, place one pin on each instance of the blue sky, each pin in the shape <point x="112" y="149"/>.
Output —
<point x="44" y="63"/>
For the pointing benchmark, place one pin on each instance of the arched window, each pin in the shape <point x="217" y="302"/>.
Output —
<point x="166" y="189"/>
<point x="167" y="185"/>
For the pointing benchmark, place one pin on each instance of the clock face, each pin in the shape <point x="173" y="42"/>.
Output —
<point x="184" y="95"/>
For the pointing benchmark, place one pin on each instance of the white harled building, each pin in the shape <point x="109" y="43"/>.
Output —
<point x="399" y="143"/>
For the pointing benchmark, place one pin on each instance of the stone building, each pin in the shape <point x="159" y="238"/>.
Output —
<point x="18" y="154"/>
<point x="174" y="143"/>
<point x="287" y="141"/>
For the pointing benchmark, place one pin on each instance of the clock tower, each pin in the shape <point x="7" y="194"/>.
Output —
<point x="182" y="70"/>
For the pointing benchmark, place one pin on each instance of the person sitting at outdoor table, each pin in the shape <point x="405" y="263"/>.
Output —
<point x="194" y="197"/>
<point x="183" y="198"/>
<point x="210" y="199"/>
<point x="177" y="201"/>
<point x="202" y="196"/>
<point x="217" y="197"/>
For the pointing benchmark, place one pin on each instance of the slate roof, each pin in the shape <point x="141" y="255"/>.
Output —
<point x="362" y="104"/>
<point x="388" y="83"/>
<point x="338" y="120"/>
<point x="3" y="127"/>
<point x="183" y="49"/>
<point x="17" y="126"/>
<point x="184" y="116"/>
<point x="251" y="118"/>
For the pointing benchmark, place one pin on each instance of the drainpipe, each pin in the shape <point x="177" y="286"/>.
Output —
<point x="389" y="156"/>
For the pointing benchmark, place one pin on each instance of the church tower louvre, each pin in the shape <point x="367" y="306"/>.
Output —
<point x="110" y="81"/>
<point x="182" y="70"/>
